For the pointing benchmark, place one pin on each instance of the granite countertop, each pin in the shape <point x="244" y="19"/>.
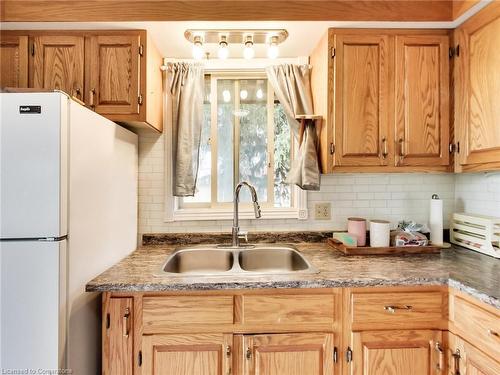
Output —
<point x="465" y="270"/>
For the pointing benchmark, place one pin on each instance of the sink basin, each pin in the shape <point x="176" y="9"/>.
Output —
<point x="217" y="260"/>
<point x="277" y="259"/>
<point x="199" y="261"/>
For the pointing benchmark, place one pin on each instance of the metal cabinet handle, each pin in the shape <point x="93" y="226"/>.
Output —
<point x="401" y="148"/>
<point x="384" y="148"/>
<point x="125" y="322"/>
<point x="92" y="98"/>
<point x="456" y="362"/>
<point x="248" y="353"/>
<point x="493" y="333"/>
<point x="439" y="349"/>
<point x="228" y="350"/>
<point x="392" y="309"/>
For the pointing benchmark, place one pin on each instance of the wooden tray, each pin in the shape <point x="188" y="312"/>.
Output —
<point x="391" y="250"/>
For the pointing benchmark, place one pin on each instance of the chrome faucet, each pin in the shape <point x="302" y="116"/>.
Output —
<point x="256" y="208"/>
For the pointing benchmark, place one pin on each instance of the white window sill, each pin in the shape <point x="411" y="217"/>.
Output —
<point x="189" y="214"/>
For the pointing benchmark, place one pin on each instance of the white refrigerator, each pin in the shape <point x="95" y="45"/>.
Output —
<point x="68" y="211"/>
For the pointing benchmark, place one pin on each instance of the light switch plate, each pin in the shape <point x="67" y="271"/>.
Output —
<point x="323" y="211"/>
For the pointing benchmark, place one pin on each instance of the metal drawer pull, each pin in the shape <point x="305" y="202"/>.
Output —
<point x="493" y="333"/>
<point x="249" y="353"/>
<point x="456" y="362"/>
<point x="125" y="322"/>
<point x="392" y="309"/>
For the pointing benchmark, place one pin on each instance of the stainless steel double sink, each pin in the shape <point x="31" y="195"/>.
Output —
<point x="219" y="260"/>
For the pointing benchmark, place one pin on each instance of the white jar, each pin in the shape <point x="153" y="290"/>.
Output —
<point x="380" y="233"/>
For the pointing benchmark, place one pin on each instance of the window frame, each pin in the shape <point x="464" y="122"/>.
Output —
<point x="176" y="210"/>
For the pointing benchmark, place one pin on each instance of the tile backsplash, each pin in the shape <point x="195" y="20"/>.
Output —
<point x="478" y="193"/>
<point x="385" y="196"/>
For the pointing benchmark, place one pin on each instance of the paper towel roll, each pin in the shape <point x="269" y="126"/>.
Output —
<point x="436" y="220"/>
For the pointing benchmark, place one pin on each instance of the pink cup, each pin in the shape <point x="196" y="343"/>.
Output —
<point x="357" y="227"/>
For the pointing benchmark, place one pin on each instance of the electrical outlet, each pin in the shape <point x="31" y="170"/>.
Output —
<point x="322" y="211"/>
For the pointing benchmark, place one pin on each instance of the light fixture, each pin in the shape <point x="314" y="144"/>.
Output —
<point x="272" y="49"/>
<point x="259" y="94"/>
<point x="243" y="94"/>
<point x="248" y="51"/>
<point x="223" y="51"/>
<point x="198" y="52"/>
<point x="226" y="96"/>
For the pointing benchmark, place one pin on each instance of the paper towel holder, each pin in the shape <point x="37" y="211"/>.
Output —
<point x="435" y="196"/>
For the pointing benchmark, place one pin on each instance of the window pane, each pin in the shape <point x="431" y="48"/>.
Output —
<point x="282" y="143"/>
<point x="225" y="136"/>
<point x="253" y="163"/>
<point x="203" y="187"/>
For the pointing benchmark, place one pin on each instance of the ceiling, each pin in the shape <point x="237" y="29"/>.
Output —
<point x="169" y="35"/>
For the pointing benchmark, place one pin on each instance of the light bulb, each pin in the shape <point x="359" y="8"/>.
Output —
<point x="223" y="51"/>
<point x="243" y="94"/>
<point x="226" y="96"/>
<point x="248" y="52"/>
<point x="198" y="48"/>
<point x="259" y="94"/>
<point x="273" y="50"/>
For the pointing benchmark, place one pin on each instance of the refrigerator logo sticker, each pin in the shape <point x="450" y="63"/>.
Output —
<point x="30" y="109"/>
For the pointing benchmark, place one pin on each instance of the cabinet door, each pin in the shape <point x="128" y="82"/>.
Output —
<point x="58" y="63"/>
<point x="477" y="88"/>
<point x="361" y="100"/>
<point x="201" y="354"/>
<point x="118" y="336"/>
<point x="13" y="61"/>
<point x="114" y="74"/>
<point x="422" y="100"/>
<point x="464" y="358"/>
<point x="397" y="352"/>
<point x="288" y="354"/>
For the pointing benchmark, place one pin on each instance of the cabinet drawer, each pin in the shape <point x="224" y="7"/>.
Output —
<point x="479" y="326"/>
<point x="282" y="310"/>
<point x="398" y="310"/>
<point x="175" y="313"/>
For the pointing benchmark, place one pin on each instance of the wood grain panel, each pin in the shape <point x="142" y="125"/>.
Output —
<point x="212" y="10"/>
<point x="114" y="73"/>
<point x="288" y="310"/>
<point x="459" y="7"/>
<point x="477" y="363"/>
<point x="290" y="354"/>
<point x="187" y="354"/>
<point x="396" y="352"/>
<point x="118" y="336"/>
<point x="58" y="63"/>
<point x="478" y="326"/>
<point x="422" y="100"/>
<point x="370" y="310"/>
<point x="361" y="99"/>
<point x="477" y="113"/>
<point x="173" y="314"/>
<point x="13" y="61"/>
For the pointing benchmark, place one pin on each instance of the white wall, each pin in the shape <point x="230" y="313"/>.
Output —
<point x="387" y="196"/>
<point x="478" y="193"/>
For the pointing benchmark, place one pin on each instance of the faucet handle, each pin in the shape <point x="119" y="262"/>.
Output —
<point x="244" y="235"/>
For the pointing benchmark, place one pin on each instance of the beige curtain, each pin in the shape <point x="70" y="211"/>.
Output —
<point x="187" y="90"/>
<point x="292" y="86"/>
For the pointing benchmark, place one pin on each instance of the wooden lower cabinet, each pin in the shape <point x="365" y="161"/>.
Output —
<point x="187" y="354"/>
<point x="408" y="352"/>
<point x="464" y="358"/>
<point x="288" y="354"/>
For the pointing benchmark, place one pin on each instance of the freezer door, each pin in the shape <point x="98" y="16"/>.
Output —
<point x="32" y="304"/>
<point x="33" y="154"/>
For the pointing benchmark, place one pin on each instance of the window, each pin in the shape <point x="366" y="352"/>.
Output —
<point x="245" y="137"/>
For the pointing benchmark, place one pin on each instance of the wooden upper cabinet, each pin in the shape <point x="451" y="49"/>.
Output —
<point x="13" y="61"/>
<point x="186" y="354"/>
<point x="477" y="93"/>
<point x="114" y="68"/>
<point x="361" y="100"/>
<point x="397" y="352"/>
<point x="422" y="100"/>
<point x="291" y="354"/>
<point x="58" y="63"/>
